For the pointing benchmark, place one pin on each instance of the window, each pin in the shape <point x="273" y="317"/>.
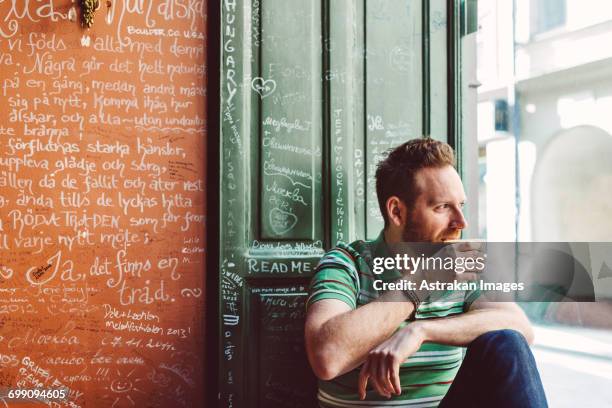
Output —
<point x="547" y="15"/>
<point x="542" y="171"/>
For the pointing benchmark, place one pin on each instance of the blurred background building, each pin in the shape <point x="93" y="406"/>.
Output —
<point x="544" y="134"/>
<point x="545" y="119"/>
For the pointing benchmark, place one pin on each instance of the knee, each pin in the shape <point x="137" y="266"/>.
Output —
<point x="506" y="338"/>
<point x="503" y="345"/>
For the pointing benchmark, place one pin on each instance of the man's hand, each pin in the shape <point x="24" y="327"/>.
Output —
<point x="383" y="362"/>
<point x="433" y="267"/>
<point x="339" y="339"/>
<point x="465" y="254"/>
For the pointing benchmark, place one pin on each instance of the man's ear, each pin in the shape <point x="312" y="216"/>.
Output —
<point x="396" y="211"/>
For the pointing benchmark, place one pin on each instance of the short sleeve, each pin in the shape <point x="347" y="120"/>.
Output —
<point x="335" y="277"/>
<point x="470" y="297"/>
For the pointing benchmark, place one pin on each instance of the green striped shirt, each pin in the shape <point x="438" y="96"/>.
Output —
<point x="345" y="273"/>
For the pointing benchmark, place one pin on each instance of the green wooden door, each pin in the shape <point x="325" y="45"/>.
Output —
<point x="313" y="93"/>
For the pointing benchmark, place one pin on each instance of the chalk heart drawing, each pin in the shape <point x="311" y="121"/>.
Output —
<point x="263" y="87"/>
<point x="5" y="272"/>
<point x="281" y="221"/>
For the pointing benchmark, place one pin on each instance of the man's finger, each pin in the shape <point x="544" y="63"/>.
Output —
<point x="363" y="379"/>
<point x="382" y="374"/>
<point x="465" y="246"/>
<point x="373" y="372"/>
<point x="468" y="276"/>
<point x="462" y="246"/>
<point x="394" y="376"/>
<point x="379" y="388"/>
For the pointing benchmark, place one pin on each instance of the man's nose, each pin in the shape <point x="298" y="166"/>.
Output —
<point x="458" y="221"/>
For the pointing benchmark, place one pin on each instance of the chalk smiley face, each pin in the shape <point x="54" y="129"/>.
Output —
<point x="123" y="388"/>
<point x="121" y="385"/>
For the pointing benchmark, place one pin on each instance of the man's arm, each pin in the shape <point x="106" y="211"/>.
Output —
<point x="338" y="339"/>
<point x="482" y="317"/>
<point x="382" y="363"/>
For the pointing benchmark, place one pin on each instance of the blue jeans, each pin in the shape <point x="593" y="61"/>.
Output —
<point x="498" y="371"/>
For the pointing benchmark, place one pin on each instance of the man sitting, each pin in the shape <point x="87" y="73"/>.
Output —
<point x="411" y="352"/>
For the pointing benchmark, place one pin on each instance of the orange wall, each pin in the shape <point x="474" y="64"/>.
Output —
<point x="103" y="201"/>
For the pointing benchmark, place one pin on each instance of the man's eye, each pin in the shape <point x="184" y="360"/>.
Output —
<point x="443" y="206"/>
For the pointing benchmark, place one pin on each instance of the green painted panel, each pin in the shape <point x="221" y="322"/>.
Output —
<point x="438" y="69"/>
<point x="346" y="89"/>
<point x="278" y="366"/>
<point x="235" y="117"/>
<point x="272" y="157"/>
<point x="290" y="92"/>
<point x="394" y="86"/>
<point x="312" y="94"/>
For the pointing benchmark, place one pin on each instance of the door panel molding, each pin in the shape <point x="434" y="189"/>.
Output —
<point x="312" y="95"/>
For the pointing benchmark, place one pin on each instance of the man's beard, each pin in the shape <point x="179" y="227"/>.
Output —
<point x="412" y="233"/>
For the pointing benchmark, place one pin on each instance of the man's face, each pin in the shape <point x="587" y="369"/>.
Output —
<point x="437" y="211"/>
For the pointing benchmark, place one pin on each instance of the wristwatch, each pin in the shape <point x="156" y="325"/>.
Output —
<point x="412" y="296"/>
